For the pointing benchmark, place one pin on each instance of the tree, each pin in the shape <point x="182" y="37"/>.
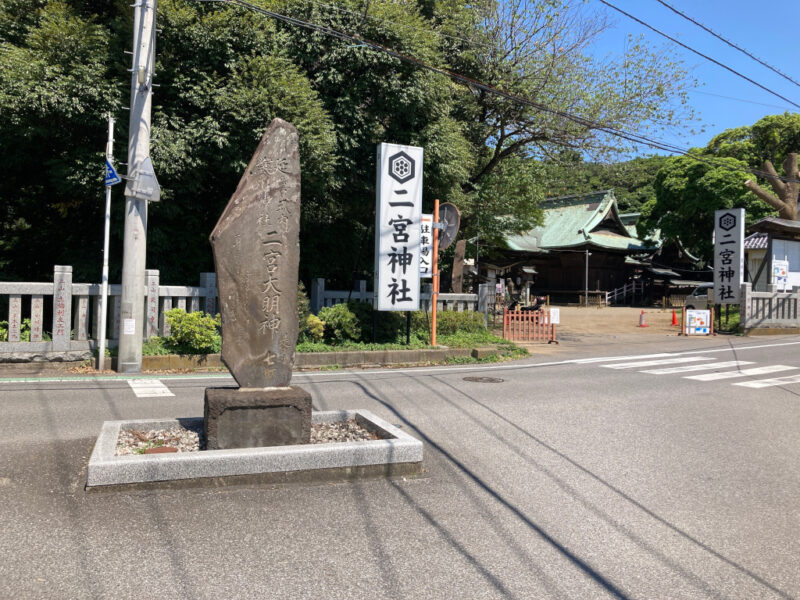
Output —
<point x="689" y="190"/>
<point x="632" y="180"/>
<point x="763" y="145"/>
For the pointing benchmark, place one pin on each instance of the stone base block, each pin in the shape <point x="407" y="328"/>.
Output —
<point x="254" y="418"/>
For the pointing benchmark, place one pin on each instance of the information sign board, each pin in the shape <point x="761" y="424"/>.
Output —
<point x="698" y="322"/>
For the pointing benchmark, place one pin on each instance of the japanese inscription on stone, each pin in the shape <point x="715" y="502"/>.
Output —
<point x="728" y="255"/>
<point x="256" y="251"/>
<point x="397" y="227"/>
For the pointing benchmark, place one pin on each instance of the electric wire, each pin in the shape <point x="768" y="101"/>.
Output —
<point x="472" y="83"/>
<point x="728" y="42"/>
<point x="690" y="49"/>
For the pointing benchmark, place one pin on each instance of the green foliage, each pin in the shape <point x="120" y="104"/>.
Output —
<point x="156" y="346"/>
<point x="688" y="192"/>
<point x="390" y="326"/>
<point x="314" y="330"/>
<point x="24" y="331"/>
<point x="448" y="322"/>
<point x="303" y="304"/>
<point x="341" y="324"/>
<point x="193" y="333"/>
<point x="225" y="73"/>
<point x="632" y="180"/>
<point x="770" y="138"/>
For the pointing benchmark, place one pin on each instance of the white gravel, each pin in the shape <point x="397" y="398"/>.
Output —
<point x="135" y="441"/>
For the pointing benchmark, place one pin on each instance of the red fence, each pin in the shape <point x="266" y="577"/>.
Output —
<point x="528" y="326"/>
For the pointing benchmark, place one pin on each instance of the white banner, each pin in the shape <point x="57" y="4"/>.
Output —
<point x="426" y="247"/>
<point x="397" y="227"/>
<point x="728" y="255"/>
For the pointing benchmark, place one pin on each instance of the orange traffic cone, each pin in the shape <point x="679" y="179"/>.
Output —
<point x="641" y="320"/>
<point x="674" y="318"/>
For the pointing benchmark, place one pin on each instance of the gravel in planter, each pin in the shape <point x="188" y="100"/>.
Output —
<point x="135" y="441"/>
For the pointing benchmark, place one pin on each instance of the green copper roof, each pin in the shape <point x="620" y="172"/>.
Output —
<point x="591" y="220"/>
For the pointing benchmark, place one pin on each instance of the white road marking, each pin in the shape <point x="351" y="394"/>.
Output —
<point x="762" y="383"/>
<point x="655" y="363"/>
<point x="703" y="367"/>
<point x="742" y="373"/>
<point x="149" y="388"/>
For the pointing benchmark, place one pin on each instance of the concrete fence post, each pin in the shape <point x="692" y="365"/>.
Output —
<point x="14" y="317"/>
<point x="208" y="281"/>
<point x="317" y="294"/>
<point x="151" y="280"/>
<point x="744" y="307"/>
<point x="81" y="320"/>
<point x="37" y="310"/>
<point x="362" y="291"/>
<point x="62" y="307"/>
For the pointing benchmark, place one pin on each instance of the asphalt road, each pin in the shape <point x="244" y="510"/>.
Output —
<point x="579" y="475"/>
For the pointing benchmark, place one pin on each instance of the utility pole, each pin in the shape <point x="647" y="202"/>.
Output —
<point x="586" y="280"/>
<point x="106" y="232"/>
<point x="140" y="187"/>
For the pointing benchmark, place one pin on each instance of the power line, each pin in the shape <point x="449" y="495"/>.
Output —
<point x="738" y="99"/>
<point x="582" y="121"/>
<point x="690" y="49"/>
<point x="730" y="43"/>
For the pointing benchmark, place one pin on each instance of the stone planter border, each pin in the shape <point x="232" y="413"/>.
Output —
<point x="396" y="453"/>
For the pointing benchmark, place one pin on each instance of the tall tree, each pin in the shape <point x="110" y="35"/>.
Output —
<point x="688" y="191"/>
<point x="763" y="145"/>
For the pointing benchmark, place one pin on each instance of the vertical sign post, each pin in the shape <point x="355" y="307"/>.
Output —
<point x="728" y="255"/>
<point x="397" y="227"/>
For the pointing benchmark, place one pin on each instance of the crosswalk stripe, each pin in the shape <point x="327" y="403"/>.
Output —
<point x="655" y="363"/>
<point x="762" y="383"/>
<point x="703" y="367"/>
<point x="741" y="373"/>
<point x="149" y="388"/>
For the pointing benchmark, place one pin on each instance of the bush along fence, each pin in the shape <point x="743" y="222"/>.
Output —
<point x="322" y="297"/>
<point x="74" y="306"/>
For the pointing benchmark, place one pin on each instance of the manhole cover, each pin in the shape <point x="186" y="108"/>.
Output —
<point x="483" y="379"/>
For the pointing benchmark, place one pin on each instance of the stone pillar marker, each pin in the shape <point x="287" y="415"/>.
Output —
<point x="256" y="253"/>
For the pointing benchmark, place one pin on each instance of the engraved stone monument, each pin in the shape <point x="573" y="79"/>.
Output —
<point x="256" y="252"/>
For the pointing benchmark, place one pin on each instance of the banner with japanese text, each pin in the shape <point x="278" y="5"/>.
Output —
<point x="728" y="255"/>
<point x="426" y="247"/>
<point x="397" y="227"/>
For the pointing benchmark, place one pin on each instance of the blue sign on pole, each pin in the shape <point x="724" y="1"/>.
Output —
<point x="111" y="175"/>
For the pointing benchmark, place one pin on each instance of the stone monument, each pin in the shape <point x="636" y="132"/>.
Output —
<point x="256" y="252"/>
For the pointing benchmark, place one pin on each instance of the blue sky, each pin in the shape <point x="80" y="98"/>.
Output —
<point x="723" y="100"/>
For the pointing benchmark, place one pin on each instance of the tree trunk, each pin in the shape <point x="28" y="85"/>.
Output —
<point x="785" y="198"/>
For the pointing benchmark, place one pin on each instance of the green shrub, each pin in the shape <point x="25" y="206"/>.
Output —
<point x="24" y="331"/>
<point x="341" y="324"/>
<point x="314" y="330"/>
<point x="155" y="346"/>
<point x="447" y="323"/>
<point x="390" y="326"/>
<point x="193" y="333"/>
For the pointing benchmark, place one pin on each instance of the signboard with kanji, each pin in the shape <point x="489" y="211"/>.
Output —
<point x="728" y="255"/>
<point x="397" y="227"/>
<point x="426" y="247"/>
